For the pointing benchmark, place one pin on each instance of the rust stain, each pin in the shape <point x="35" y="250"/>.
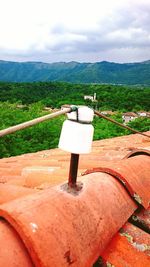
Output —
<point x="75" y="191"/>
<point x="67" y="256"/>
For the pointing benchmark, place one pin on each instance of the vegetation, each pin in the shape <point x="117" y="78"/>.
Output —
<point x="75" y="72"/>
<point x="39" y="137"/>
<point x="54" y="94"/>
<point x="34" y="96"/>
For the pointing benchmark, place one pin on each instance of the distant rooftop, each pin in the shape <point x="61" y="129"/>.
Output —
<point x="130" y="114"/>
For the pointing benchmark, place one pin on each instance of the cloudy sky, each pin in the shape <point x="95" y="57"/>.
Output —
<point x="75" y="30"/>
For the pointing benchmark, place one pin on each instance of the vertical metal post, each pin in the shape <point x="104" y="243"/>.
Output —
<point x="73" y="170"/>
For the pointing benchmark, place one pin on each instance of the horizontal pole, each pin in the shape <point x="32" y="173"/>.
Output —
<point x="33" y="122"/>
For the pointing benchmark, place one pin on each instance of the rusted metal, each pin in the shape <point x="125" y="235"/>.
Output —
<point x="133" y="173"/>
<point x="74" y="161"/>
<point x="59" y="229"/>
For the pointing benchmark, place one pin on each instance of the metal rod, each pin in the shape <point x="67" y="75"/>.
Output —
<point x="33" y="122"/>
<point x="118" y="123"/>
<point x="73" y="170"/>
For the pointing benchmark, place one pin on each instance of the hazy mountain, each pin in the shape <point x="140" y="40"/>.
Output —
<point x="99" y="72"/>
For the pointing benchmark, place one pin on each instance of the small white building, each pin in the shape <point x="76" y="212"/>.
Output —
<point x="142" y="113"/>
<point x="90" y="97"/>
<point x="129" y="116"/>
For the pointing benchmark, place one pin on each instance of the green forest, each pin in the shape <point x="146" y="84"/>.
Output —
<point x="20" y="102"/>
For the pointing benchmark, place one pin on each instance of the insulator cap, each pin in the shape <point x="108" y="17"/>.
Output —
<point x="77" y="132"/>
<point x="82" y="114"/>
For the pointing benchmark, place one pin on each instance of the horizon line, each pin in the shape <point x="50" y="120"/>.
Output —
<point x="74" y="61"/>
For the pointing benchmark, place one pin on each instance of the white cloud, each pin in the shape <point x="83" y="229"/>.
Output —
<point x="84" y="30"/>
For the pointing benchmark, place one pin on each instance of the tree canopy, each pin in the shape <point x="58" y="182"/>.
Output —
<point x="34" y="96"/>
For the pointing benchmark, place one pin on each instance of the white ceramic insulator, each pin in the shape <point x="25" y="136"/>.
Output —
<point x="76" y="137"/>
<point x="77" y="132"/>
<point x="84" y="114"/>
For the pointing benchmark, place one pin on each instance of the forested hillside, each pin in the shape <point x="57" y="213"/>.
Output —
<point x="99" y="72"/>
<point x="35" y="96"/>
<point x="55" y="94"/>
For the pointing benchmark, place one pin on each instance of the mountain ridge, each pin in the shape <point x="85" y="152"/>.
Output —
<point x="76" y="72"/>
